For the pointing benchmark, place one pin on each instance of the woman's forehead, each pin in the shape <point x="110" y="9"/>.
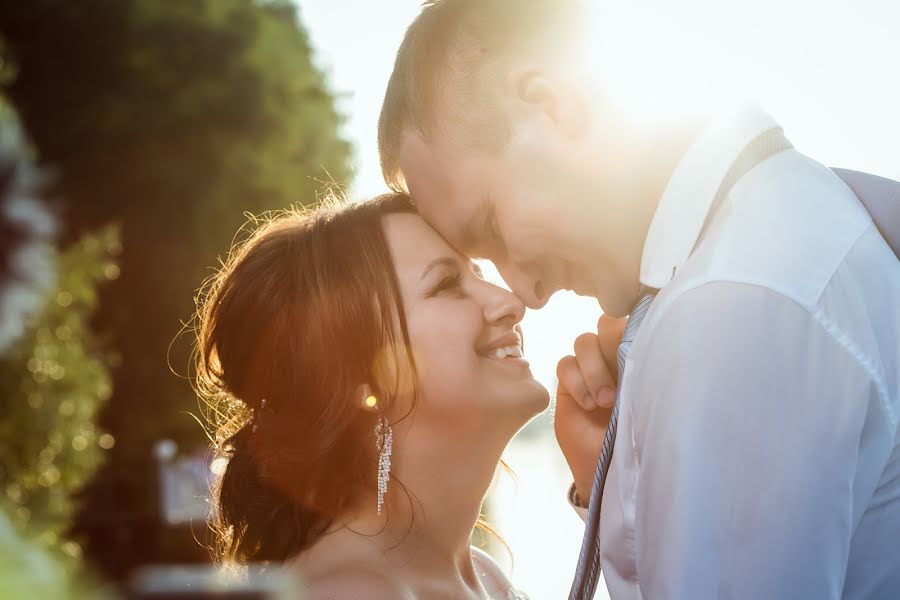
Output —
<point x="409" y="229"/>
<point x="414" y="244"/>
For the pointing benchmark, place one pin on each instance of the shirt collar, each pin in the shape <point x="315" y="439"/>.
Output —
<point x="692" y="188"/>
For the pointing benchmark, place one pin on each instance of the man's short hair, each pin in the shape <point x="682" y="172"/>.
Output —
<point x="445" y="54"/>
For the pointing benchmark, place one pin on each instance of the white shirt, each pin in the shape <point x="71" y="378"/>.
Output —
<point x="757" y="453"/>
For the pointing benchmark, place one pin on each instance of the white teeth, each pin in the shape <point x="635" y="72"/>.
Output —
<point x="513" y="351"/>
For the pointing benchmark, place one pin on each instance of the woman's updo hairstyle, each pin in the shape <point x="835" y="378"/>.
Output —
<point x="289" y="329"/>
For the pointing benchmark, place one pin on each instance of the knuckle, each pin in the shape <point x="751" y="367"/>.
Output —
<point x="594" y="374"/>
<point x="585" y="341"/>
<point x="564" y="365"/>
<point x="573" y="382"/>
<point x="612" y="324"/>
<point x="586" y="338"/>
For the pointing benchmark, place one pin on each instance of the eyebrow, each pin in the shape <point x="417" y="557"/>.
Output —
<point x="446" y="261"/>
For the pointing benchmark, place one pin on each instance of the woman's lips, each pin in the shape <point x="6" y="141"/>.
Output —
<point x="508" y="340"/>
<point x="512" y="360"/>
<point x="505" y="349"/>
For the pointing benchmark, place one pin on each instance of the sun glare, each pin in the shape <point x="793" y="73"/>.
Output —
<point x="646" y="67"/>
<point x="820" y="67"/>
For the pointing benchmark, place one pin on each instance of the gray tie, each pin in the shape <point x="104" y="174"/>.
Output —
<point x="589" y="561"/>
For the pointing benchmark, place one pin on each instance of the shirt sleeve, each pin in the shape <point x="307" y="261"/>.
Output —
<point x="751" y="420"/>
<point x="580" y="508"/>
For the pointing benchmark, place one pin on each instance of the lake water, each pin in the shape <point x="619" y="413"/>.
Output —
<point x="533" y="516"/>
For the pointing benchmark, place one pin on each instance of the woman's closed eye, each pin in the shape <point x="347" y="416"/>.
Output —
<point x="451" y="283"/>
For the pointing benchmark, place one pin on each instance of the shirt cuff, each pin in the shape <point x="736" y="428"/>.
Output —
<point x="575" y="502"/>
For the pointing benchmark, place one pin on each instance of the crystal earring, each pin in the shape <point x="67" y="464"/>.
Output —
<point x="384" y="440"/>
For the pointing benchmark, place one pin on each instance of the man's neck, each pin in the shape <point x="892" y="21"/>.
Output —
<point x="661" y="155"/>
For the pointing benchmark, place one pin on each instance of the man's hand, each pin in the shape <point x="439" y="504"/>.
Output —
<point x="584" y="399"/>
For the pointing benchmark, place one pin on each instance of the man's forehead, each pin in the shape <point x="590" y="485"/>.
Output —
<point x="441" y="182"/>
<point x="430" y="163"/>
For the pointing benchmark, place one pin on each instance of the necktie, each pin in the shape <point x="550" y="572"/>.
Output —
<point x="589" y="561"/>
<point x="588" y="571"/>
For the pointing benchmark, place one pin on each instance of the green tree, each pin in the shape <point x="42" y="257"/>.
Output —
<point x="48" y="356"/>
<point x="171" y="119"/>
<point x="55" y="379"/>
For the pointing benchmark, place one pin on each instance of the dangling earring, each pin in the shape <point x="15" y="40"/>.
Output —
<point x="384" y="440"/>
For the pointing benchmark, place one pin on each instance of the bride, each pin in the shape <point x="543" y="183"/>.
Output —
<point x="364" y="380"/>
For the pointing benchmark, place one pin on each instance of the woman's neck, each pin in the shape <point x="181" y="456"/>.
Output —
<point x="427" y="522"/>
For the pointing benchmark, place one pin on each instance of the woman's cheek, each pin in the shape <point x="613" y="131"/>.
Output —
<point x="442" y="363"/>
<point x="445" y="365"/>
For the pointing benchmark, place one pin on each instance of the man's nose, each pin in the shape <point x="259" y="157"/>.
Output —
<point x="529" y="290"/>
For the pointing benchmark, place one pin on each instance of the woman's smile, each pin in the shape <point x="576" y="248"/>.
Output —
<point x="506" y="348"/>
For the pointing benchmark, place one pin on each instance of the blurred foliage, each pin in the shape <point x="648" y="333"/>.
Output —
<point x="54" y="380"/>
<point x="172" y="119"/>
<point x="29" y="570"/>
<point x="27" y="232"/>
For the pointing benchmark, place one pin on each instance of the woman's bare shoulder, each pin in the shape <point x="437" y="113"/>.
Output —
<point x="350" y="582"/>
<point x="334" y="572"/>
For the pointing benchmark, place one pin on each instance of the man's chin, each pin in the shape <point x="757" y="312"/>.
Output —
<point x="588" y="292"/>
<point x="618" y="305"/>
<point x="614" y="304"/>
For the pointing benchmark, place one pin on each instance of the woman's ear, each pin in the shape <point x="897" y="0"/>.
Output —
<point x="366" y="398"/>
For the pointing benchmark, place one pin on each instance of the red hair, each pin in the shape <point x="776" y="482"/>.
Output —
<point x="297" y="317"/>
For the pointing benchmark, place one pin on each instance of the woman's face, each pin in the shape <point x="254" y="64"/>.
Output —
<point x="464" y="334"/>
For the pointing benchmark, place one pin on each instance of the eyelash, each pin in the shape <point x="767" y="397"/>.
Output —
<point x="449" y="283"/>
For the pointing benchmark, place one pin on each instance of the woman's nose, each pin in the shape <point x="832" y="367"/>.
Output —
<point x="502" y="305"/>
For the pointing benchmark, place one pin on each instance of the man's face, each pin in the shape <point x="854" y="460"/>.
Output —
<point x="520" y="207"/>
<point x="479" y="207"/>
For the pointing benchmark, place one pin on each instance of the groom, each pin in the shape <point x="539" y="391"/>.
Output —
<point x="756" y="448"/>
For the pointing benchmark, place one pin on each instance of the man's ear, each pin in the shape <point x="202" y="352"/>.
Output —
<point x="532" y="92"/>
<point x="529" y="88"/>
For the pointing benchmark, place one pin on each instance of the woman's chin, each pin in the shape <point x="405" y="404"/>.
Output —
<point x="541" y="399"/>
<point x="532" y="401"/>
<point x="529" y="411"/>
